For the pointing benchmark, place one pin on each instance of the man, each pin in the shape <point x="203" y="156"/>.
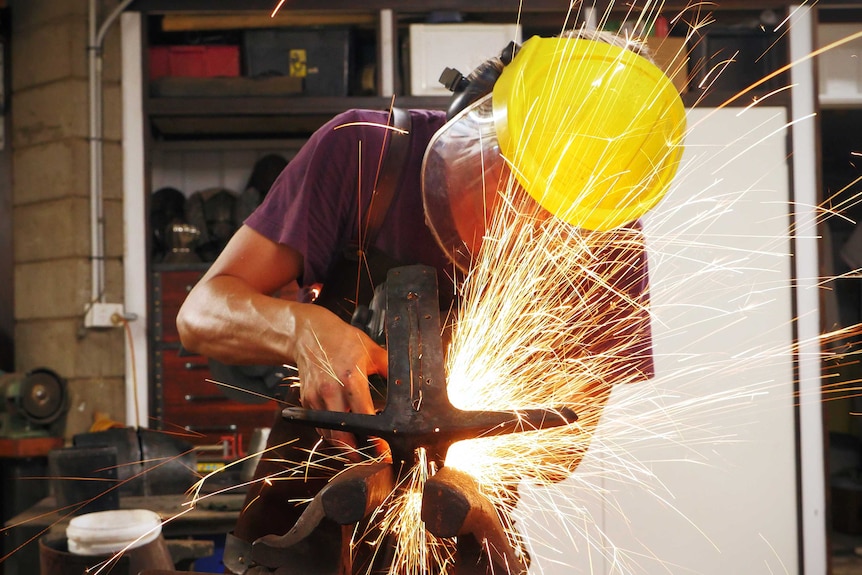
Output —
<point x="318" y="209"/>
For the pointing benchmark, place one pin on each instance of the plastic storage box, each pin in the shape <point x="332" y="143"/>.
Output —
<point x="729" y="60"/>
<point x="434" y="47"/>
<point x="320" y="56"/>
<point x="840" y="77"/>
<point x="194" y="61"/>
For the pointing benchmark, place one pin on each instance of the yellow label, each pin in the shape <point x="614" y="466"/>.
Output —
<point x="298" y="64"/>
<point x="209" y="466"/>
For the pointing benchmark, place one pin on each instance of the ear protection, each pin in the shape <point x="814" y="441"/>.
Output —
<point x="481" y="81"/>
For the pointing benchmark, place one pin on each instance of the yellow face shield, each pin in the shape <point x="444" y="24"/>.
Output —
<point x="461" y="173"/>
<point x="593" y="132"/>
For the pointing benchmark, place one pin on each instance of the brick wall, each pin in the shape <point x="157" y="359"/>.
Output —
<point x="51" y="206"/>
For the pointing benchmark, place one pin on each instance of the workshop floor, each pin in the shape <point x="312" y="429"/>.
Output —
<point x="846" y="554"/>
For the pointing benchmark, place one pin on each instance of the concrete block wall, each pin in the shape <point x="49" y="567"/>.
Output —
<point x="51" y="204"/>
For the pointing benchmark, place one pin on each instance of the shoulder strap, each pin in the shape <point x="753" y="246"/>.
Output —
<point x="395" y="157"/>
<point x="353" y="275"/>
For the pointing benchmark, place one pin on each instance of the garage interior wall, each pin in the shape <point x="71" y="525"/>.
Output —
<point x="49" y="149"/>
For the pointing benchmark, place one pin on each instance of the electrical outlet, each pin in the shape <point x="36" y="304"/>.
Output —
<point x="103" y="315"/>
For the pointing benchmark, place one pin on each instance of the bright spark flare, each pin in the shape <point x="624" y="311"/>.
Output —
<point x="399" y="518"/>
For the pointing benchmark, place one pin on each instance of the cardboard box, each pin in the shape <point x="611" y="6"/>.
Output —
<point x="671" y="55"/>
<point x="320" y="57"/>
<point x="194" y="61"/>
<point x="840" y="77"/>
<point x="435" y="47"/>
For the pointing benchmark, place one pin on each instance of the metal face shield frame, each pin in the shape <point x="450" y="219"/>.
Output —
<point x="462" y="172"/>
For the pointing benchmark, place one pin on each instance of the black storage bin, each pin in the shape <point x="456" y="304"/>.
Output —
<point x="320" y="56"/>
<point x="755" y="53"/>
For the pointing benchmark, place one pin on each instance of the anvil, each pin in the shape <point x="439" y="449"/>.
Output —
<point x="417" y="414"/>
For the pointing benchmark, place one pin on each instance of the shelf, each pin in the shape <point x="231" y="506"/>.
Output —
<point x="199" y="267"/>
<point x="246" y="108"/>
<point x="298" y="116"/>
<point x="557" y="6"/>
<point x="286" y="105"/>
<point x="166" y="6"/>
<point x="840" y="102"/>
<point x="239" y="117"/>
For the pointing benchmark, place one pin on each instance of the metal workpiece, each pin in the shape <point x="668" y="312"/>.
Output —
<point x="417" y="416"/>
<point x="418" y="413"/>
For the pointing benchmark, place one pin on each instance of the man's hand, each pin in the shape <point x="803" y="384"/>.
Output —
<point x="334" y="360"/>
<point x="231" y="316"/>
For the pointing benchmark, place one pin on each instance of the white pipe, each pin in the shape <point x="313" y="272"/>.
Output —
<point x="812" y="469"/>
<point x="591" y="18"/>
<point x="97" y="263"/>
<point x="96" y="35"/>
<point x="134" y="221"/>
<point x="387" y="47"/>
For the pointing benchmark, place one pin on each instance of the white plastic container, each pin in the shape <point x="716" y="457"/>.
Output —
<point x="108" y="532"/>
<point x="840" y="75"/>
<point x="434" y="47"/>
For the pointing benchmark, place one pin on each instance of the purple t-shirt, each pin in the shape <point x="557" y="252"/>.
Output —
<point x="317" y="202"/>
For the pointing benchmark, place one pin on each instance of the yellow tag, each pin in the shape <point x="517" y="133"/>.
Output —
<point x="298" y="64"/>
<point x="209" y="466"/>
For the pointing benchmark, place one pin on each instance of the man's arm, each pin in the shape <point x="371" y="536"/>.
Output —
<point x="230" y="316"/>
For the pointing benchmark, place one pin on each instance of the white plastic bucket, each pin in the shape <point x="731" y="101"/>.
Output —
<point x="108" y="532"/>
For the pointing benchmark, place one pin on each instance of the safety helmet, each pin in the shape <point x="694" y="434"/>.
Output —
<point x="591" y="131"/>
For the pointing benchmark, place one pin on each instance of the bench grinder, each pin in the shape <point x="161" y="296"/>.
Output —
<point x="33" y="404"/>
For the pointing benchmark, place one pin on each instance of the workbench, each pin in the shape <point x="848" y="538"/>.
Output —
<point x="212" y="516"/>
<point x="23" y="469"/>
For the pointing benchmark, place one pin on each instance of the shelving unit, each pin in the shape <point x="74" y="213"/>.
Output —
<point x="225" y="116"/>
<point x="198" y="132"/>
<point x="193" y="141"/>
<point x="222" y="115"/>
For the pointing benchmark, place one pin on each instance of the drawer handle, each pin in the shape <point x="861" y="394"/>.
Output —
<point x="203" y="398"/>
<point x="210" y="428"/>
<point x="190" y="365"/>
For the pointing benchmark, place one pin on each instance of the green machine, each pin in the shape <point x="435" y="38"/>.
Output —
<point x="34" y="404"/>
